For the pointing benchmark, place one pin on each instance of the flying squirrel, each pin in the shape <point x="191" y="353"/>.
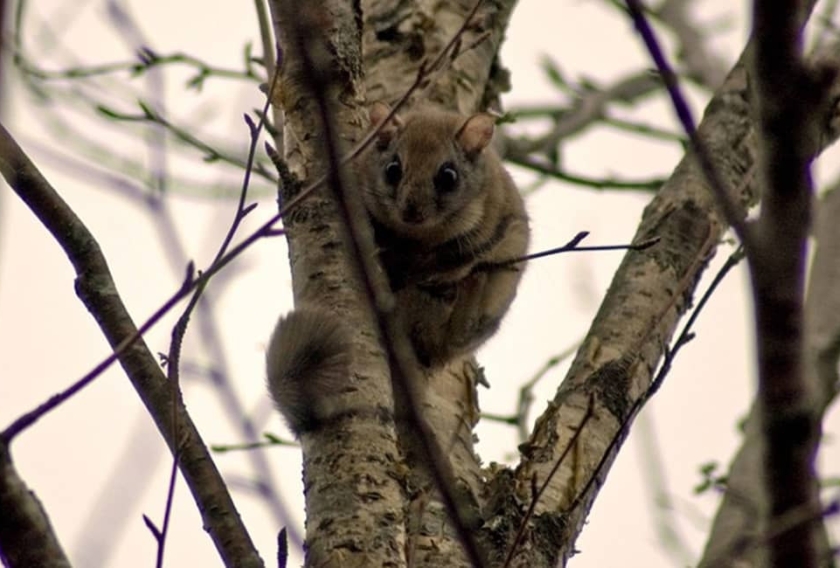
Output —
<point x="447" y="221"/>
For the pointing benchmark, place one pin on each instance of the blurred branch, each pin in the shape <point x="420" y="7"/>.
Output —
<point x="660" y="501"/>
<point x="822" y="308"/>
<point x="735" y="534"/>
<point x="555" y="172"/>
<point x="588" y="108"/>
<point x="791" y="103"/>
<point x="146" y="61"/>
<point x="211" y="154"/>
<point x="269" y="440"/>
<point x="84" y="87"/>
<point x="699" y="63"/>
<point x="3" y="42"/>
<point x="525" y="113"/>
<point x="645" y="130"/>
<point x="526" y="392"/>
<point x="271" y="63"/>
<point x="94" y="157"/>
<point x="525" y="400"/>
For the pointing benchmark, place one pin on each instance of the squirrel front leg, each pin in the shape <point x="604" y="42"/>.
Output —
<point x="484" y="295"/>
<point x="424" y="313"/>
<point x="446" y="320"/>
<point x="483" y="300"/>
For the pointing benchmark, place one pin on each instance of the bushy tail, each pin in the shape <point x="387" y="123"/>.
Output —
<point x="308" y="362"/>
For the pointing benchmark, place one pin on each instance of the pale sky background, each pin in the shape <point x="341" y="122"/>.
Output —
<point x="98" y="464"/>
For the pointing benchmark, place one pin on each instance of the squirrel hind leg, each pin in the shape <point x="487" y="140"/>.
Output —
<point x="307" y="363"/>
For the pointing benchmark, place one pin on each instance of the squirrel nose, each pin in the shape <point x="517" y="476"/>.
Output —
<point x="411" y="213"/>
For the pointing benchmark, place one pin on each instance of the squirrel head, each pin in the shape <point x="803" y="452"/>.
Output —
<point x="427" y="174"/>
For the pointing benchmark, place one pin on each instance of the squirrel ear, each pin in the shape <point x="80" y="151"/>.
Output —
<point x="476" y="133"/>
<point x="378" y="112"/>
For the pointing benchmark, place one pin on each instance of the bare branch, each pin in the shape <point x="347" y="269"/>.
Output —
<point x="179" y="330"/>
<point x="791" y="103"/>
<point x="96" y="288"/>
<point x="649" y="292"/>
<point x="26" y="535"/>
<point x="333" y="463"/>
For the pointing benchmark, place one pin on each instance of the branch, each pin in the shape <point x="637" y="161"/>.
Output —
<point x="791" y="102"/>
<point x="822" y="309"/>
<point x="210" y="152"/>
<point x="179" y="330"/>
<point x="146" y="59"/>
<point x="26" y="535"/>
<point x="556" y="172"/>
<point x="338" y="507"/>
<point x="96" y="288"/>
<point x="649" y="293"/>
<point x="775" y="249"/>
<point x="406" y="377"/>
<point x="308" y="253"/>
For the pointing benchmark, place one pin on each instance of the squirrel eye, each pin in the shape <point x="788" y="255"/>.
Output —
<point x="446" y="178"/>
<point x="393" y="172"/>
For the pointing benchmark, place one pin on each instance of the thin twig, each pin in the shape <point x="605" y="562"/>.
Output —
<point x="571" y="246"/>
<point x="526" y="397"/>
<point x="167" y="515"/>
<point x="147" y="60"/>
<point x="180" y="328"/>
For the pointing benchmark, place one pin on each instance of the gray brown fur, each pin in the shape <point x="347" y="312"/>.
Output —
<point x="431" y="243"/>
<point x="441" y="251"/>
<point x="307" y="361"/>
